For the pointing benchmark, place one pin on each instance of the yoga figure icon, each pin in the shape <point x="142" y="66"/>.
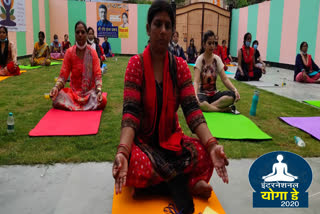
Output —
<point x="279" y="172"/>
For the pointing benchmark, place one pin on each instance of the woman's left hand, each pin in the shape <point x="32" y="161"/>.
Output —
<point x="220" y="161"/>
<point x="99" y="97"/>
<point x="237" y="96"/>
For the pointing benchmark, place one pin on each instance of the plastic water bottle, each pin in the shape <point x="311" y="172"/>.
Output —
<point x="299" y="141"/>
<point x="254" y="104"/>
<point x="10" y="123"/>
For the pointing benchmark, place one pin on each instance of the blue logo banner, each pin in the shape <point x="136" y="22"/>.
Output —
<point x="280" y="179"/>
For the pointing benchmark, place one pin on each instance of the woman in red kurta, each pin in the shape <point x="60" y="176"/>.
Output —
<point x="82" y="62"/>
<point x="153" y="151"/>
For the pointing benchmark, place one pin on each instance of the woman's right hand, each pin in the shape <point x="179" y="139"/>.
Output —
<point x="119" y="171"/>
<point x="241" y="72"/>
<point x="305" y="75"/>
<point x="54" y="93"/>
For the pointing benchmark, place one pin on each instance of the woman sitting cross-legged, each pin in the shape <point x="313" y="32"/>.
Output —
<point x="305" y="69"/>
<point x="246" y="60"/>
<point x="8" y="58"/>
<point x="82" y="62"/>
<point x="41" y="52"/>
<point x="56" y="48"/>
<point x="208" y="67"/>
<point x="154" y="155"/>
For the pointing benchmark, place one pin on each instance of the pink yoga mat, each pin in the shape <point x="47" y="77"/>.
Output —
<point x="311" y="125"/>
<point x="67" y="123"/>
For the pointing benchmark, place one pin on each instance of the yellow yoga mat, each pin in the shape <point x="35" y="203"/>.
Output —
<point x="124" y="203"/>
<point x="5" y="77"/>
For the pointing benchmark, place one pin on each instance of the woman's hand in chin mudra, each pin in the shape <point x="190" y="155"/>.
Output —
<point x="119" y="171"/>
<point x="220" y="161"/>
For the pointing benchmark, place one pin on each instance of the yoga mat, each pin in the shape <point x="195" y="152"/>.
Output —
<point x="192" y="64"/>
<point x="56" y="63"/>
<point x="5" y="77"/>
<point x="124" y="203"/>
<point x="67" y="123"/>
<point x="313" y="102"/>
<point x="311" y="125"/>
<point x="231" y="126"/>
<point x="28" y="67"/>
<point x="228" y="72"/>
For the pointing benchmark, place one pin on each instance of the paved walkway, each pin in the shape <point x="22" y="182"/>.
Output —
<point x="273" y="79"/>
<point x="88" y="189"/>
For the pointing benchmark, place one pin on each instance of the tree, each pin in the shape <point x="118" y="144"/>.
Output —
<point x="242" y="3"/>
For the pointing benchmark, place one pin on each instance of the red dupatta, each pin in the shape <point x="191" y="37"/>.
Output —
<point x="307" y="63"/>
<point x="167" y="138"/>
<point x="248" y="59"/>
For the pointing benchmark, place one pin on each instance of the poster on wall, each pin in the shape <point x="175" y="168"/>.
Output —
<point x="112" y="20"/>
<point x="12" y="14"/>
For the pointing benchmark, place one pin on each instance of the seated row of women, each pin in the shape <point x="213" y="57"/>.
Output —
<point x="42" y="53"/>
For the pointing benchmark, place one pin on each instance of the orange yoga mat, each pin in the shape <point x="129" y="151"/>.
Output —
<point x="124" y="203"/>
<point x="5" y="77"/>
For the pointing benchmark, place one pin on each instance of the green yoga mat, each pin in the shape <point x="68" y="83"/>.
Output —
<point x="231" y="126"/>
<point x="56" y="63"/>
<point x="28" y="67"/>
<point x="313" y="102"/>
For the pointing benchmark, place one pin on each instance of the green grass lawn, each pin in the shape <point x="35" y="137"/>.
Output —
<point x="24" y="96"/>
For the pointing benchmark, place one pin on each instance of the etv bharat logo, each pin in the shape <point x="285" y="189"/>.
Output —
<point x="7" y="13"/>
<point x="285" y="186"/>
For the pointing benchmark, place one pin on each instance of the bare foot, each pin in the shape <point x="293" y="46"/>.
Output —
<point x="204" y="106"/>
<point x="202" y="189"/>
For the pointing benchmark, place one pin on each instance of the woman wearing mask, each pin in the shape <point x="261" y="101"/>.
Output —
<point x="56" y="49"/>
<point x="175" y="48"/>
<point x="93" y="43"/>
<point x="81" y="63"/>
<point x="8" y="57"/>
<point x="305" y="69"/>
<point x="246" y="70"/>
<point x="257" y="57"/>
<point x="192" y="52"/>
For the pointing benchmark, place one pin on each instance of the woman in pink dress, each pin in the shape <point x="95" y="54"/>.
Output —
<point x="82" y="63"/>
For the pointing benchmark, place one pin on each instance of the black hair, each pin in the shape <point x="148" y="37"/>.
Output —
<point x="5" y="29"/>
<point x="124" y="14"/>
<point x="158" y="7"/>
<point x="102" y="6"/>
<point x="41" y="33"/>
<point x="245" y="37"/>
<point x="255" y="42"/>
<point x="224" y="41"/>
<point x="206" y="36"/>
<point x="106" y="37"/>
<point x="90" y="28"/>
<point x="4" y="55"/>
<point x="81" y="23"/>
<point x="302" y="43"/>
<point x="55" y="36"/>
<point x="66" y="35"/>
<point x="176" y="32"/>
